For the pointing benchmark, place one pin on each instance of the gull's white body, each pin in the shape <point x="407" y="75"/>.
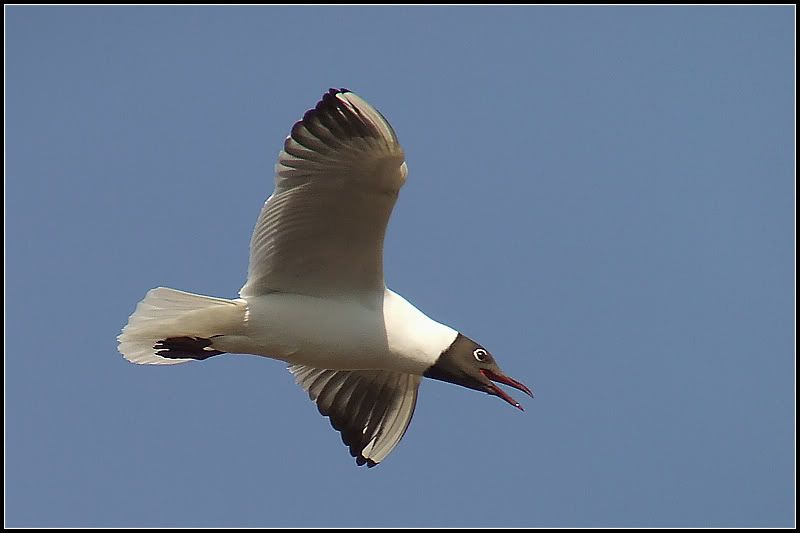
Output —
<point x="346" y="336"/>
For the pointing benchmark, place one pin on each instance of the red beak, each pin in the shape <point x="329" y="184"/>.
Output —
<point x="497" y="391"/>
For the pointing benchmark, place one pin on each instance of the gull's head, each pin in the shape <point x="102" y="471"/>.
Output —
<point x="467" y="363"/>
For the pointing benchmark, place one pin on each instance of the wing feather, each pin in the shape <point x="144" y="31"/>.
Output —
<point x="370" y="408"/>
<point x="321" y="231"/>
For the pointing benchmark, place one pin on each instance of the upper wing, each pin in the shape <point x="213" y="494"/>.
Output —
<point x="337" y="178"/>
<point x="371" y="408"/>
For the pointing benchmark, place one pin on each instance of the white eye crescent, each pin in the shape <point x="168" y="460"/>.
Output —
<point x="480" y="354"/>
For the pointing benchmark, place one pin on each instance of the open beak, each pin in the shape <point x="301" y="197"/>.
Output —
<point x="505" y="380"/>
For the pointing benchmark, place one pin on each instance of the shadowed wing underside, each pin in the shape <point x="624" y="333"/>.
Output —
<point x="370" y="408"/>
<point x="337" y="178"/>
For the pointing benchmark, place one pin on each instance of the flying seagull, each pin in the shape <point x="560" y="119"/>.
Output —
<point x="315" y="295"/>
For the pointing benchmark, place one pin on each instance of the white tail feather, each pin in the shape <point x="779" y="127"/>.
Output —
<point x="166" y="313"/>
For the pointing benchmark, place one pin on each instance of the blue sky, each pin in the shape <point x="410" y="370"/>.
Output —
<point x="604" y="197"/>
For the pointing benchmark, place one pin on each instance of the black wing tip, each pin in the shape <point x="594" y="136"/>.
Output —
<point x="331" y="95"/>
<point x="336" y="117"/>
<point x="353" y="447"/>
<point x="361" y="461"/>
<point x="328" y="99"/>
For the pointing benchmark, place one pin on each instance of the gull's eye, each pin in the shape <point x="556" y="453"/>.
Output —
<point x="480" y="354"/>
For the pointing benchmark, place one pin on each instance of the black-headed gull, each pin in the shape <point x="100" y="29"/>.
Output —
<point x="315" y="295"/>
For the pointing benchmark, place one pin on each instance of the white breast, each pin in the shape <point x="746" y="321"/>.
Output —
<point x="326" y="333"/>
<point x="412" y="335"/>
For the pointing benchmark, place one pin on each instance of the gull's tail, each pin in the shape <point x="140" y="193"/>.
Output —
<point x="171" y="326"/>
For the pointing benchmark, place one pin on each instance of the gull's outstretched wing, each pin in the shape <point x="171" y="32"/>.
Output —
<point x="337" y="178"/>
<point x="370" y="408"/>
